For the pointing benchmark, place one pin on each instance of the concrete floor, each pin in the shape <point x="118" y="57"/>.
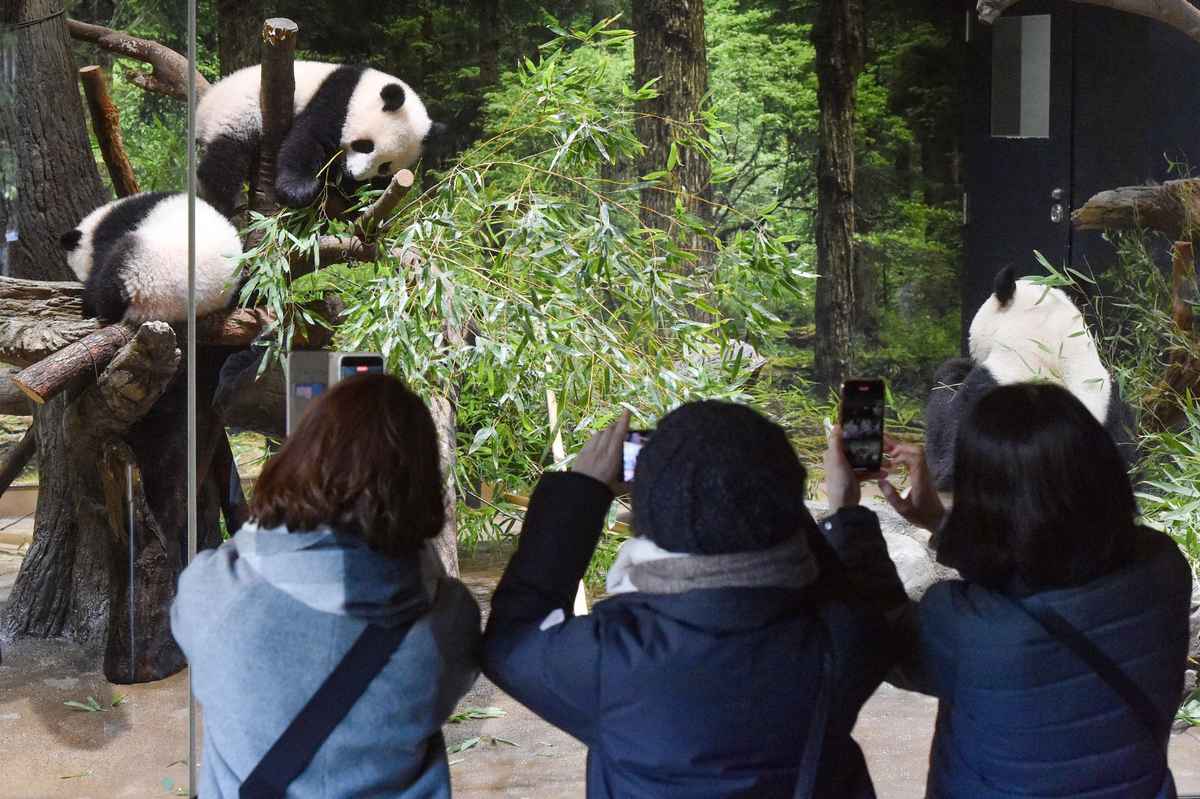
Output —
<point x="139" y="749"/>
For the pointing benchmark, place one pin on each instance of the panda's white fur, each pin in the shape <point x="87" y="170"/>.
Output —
<point x="1024" y="332"/>
<point x="134" y="252"/>
<point x="357" y="101"/>
<point x="1039" y="334"/>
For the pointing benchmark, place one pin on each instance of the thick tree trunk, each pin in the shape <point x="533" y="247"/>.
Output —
<point x="670" y="45"/>
<point x="487" y="12"/>
<point x="838" y="36"/>
<point x="48" y="179"/>
<point x="239" y="29"/>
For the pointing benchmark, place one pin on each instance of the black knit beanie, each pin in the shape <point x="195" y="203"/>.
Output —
<point x="717" y="478"/>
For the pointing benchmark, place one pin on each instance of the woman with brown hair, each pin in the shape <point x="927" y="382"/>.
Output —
<point x="326" y="645"/>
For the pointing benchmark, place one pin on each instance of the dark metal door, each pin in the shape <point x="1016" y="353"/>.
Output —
<point x="1018" y="144"/>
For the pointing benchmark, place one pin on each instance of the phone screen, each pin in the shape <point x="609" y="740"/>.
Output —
<point x="862" y="423"/>
<point x="362" y="365"/>
<point x="632" y="447"/>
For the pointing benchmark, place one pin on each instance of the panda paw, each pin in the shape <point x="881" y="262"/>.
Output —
<point x="296" y="191"/>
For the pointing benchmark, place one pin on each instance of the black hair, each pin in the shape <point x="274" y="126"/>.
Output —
<point x="1040" y="493"/>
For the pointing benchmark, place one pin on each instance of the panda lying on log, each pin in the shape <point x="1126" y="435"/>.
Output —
<point x="376" y="120"/>
<point x="1024" y="332"/>
<point x="131" y="256"/>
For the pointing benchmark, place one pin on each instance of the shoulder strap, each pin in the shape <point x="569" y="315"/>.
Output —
<point x="1064" y="632"/>
<point x="814" y="742"/>
<point x="295" y="749"/>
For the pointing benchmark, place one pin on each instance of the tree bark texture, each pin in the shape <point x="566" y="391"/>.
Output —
<point x="277" y="106"/>
<point x="239" y="25"/>
<point x="670" y="45"/>
<point x="48" y="179"/>
<point x="839" y="39"/>
<point x="1179" y="14"/>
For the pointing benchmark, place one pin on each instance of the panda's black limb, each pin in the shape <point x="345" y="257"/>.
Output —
<point x="104" y="294"/>
<point x="302" y="156"/>
<point x="224" y="170"/>
<point x="957" y="384"/>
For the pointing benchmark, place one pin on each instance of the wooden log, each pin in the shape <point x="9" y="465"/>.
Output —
<point x="12" y="466"/>
<point x="1183" y="286"/>
<point x="106" y="123"/>
<point x="276" y="99"/>
<point x="375" y="216"/>
<point x="1172" y="208"/>
<point x="13" y="401"/>
<point x="1164" y="410"/>
<point x="1179" y="14"/>
<point x="169" y="75"/>
<point x="45" y="299"/>
<point x="92" y="353"/>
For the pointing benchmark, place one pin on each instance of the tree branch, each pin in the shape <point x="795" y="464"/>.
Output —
<point x="170" y="69"/>
<point x="375" y="215"/>
<point x="1179" y="14"/>
<point x="12" y="466"/>
<point x="106" y="123"/>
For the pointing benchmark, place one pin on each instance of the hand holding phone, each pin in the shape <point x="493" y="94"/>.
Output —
<point x="862" y="424"/>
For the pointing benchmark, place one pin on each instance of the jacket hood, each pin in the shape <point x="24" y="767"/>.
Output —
<point x="339" y="574"/>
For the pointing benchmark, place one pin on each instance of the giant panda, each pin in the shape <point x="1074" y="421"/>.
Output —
<point x="132" y="257"/>
<point x="376" y="120"/>
<point x="1024" y="332"/>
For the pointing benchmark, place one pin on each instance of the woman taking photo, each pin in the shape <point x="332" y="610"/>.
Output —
<point x="326" y="645"/>
<point x="739" y="641"/>
<point x="1058" y="658"/>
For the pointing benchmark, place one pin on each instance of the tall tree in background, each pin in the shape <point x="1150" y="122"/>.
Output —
<point x="670" y="45"/>
<point x="239" y="26"/>
<point x="50" y="180"/>
<point x="838" y="36"/>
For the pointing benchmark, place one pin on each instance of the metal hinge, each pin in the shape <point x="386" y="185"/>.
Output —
<point x="966" y="209"/>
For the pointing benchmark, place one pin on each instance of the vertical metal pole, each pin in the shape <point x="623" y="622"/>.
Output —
<point x="191" y="353"/>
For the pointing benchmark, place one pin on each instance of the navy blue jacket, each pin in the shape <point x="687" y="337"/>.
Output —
<point x="706" y="693"/>
<point x="1021" y="715"/>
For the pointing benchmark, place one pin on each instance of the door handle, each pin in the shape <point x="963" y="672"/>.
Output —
<point x="1057" y="195"/>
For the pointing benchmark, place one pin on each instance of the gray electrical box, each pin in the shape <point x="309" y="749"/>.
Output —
<point x="310" y="373"/>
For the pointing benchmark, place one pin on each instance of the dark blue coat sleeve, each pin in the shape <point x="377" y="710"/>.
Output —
<point x="553" y="669"/>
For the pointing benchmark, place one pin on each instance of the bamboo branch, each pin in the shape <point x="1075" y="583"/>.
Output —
<point x="106" y="122"/>
<point x="169" y="75"/>
<point x="18" y="458"/>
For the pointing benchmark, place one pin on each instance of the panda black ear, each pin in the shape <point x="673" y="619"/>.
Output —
<point x="393" y="96"/>
<point x="70" y="239"/>
<point x="1005" y="286"/>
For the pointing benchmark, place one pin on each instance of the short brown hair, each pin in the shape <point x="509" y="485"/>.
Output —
<point x="363" y="460"/>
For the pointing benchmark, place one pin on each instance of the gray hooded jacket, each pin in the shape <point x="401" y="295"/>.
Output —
<point x="265" y="618"/>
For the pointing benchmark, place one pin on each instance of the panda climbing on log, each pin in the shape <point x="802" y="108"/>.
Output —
<point x="1024" y="332"/>
<point x="131" y="256"/>
<point x="375" y="121"/>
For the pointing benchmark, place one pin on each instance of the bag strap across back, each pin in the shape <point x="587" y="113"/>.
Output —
<point x="1067" y="634"/>
<point x="290" y="755"/>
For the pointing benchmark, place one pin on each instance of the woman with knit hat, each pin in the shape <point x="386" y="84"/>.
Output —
<point x="740" y="640"/>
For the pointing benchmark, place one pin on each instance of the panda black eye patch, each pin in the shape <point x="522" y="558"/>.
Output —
<point x="362" y="146"/>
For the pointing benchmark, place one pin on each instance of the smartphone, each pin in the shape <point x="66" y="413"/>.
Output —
<point x="632" y="447"/>
<point x="862" y="423"/>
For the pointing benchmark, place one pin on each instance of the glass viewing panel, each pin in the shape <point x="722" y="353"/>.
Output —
<point x="1021" y="77"/>
<point x="93" y="530"/>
